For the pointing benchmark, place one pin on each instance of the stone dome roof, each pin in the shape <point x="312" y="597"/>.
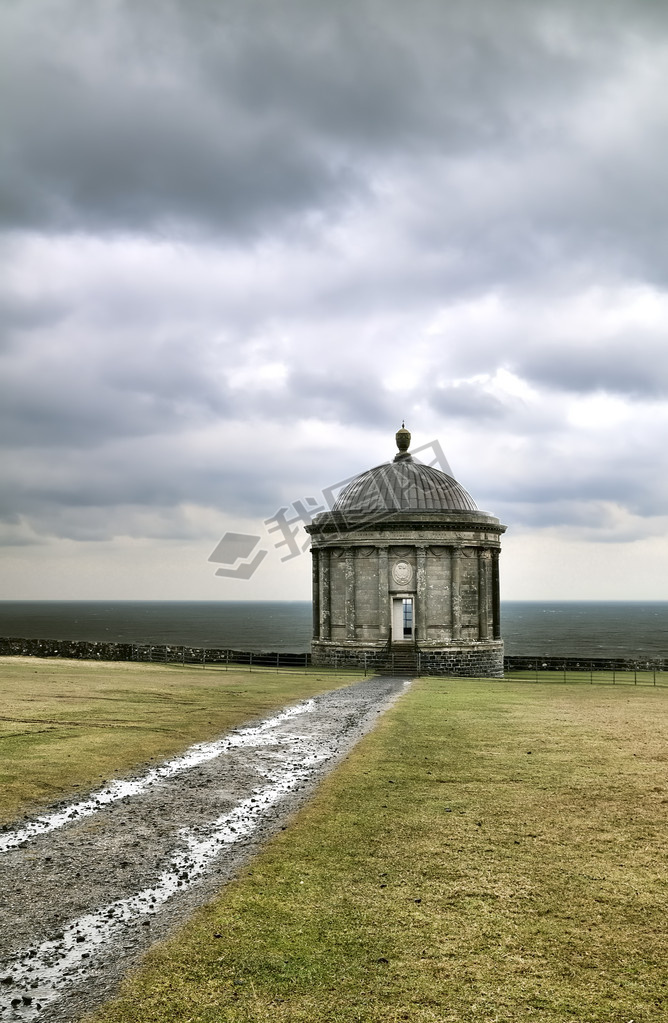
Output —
<point x="404" y="485"/>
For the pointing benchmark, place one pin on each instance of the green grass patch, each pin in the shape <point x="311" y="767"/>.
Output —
<point x="491" y="852"/>
<point x="68" y="725"/>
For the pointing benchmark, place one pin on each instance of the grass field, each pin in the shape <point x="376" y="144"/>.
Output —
<point x="493" y="851"/>
<point x="639" y="676"/>
<point x="69" y="725"/>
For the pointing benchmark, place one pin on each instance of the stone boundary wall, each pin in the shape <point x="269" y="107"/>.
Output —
<point x="481" y="663"/>
<point x="462" y="662"/>
<point x="537" y="663"/>
<point x="347" y="657"/>
<point x="149" y="652"/>
<point x="77" y="649"/>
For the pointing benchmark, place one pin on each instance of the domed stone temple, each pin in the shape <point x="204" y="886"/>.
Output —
<point x="406" y="573"/>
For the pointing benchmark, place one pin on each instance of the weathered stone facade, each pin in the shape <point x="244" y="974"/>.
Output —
<point x="405" y="561"/>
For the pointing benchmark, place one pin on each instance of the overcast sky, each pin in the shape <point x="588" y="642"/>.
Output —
<point x="242" y="239"/>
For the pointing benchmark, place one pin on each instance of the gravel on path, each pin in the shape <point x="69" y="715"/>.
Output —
<point x="87" y="887"/>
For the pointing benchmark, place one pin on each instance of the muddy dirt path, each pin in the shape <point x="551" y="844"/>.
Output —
<point x="88" y="886"/>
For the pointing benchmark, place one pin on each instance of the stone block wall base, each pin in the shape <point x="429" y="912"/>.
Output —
<point x="475" y="660"/>
<point x="339" y="656"/>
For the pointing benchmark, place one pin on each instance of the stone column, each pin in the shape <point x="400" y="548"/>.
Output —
<point x="349" y="570"/>
<point x="496" y="597"/>
<point x="315" y="590"/>
<point x="483" y="594"/>
<point x="420" y="624"/>
<point x="455" y="594"/>
<point x="325" y="594"/>
<point x="384" y="623"/>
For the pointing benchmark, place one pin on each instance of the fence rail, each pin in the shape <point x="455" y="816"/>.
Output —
<point x="600" y="671"/>
<point x="639" y="670"/>
<point x="208" y="657"/>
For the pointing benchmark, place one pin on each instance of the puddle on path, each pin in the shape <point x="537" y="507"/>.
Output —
<point x="121" y="789"/>
<point x="35" y="979"/>
<point x="76" y="960"/>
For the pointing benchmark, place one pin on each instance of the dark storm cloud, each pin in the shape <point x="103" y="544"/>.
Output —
<point x="467" y="401"/>
<point x="634" y="365"/>
<point x="18" y="316"/>
<point x="575" y="480"/>
<point x="349" y="396"/>
<point x="120" y="130"/>
<point x="636" y="368"/>
<point x="137" y="487"/>
<point x="54" y="396"/>
<point x="228" y="117"/>
<point x="227" y="221"/>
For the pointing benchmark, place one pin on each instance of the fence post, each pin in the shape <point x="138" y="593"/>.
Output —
<point x="365" y="661"/>
<point x="591" y="673"/>
<point x="203" y="657"/>
<point x="305" y="662"/>
<point x="250" y="661"/>
<point x="277" y="660"/>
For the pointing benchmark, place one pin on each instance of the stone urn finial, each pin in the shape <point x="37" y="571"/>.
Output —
<point x="403" y="439"/>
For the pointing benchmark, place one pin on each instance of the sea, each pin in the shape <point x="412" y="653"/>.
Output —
<point x="530" y="628"/>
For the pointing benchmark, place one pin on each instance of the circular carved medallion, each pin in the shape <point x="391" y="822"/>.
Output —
<point x="402" y="573"/>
